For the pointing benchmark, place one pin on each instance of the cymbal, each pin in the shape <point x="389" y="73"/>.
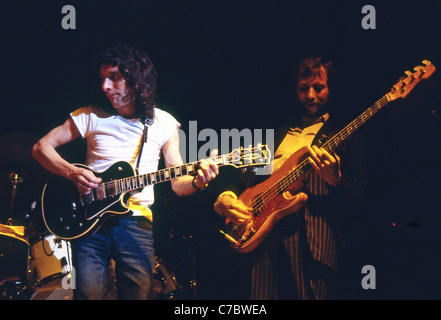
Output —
<point x="17" y="232"/>
<point x="19" y="168"/>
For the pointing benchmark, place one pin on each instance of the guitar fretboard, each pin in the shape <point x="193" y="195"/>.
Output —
<point x="140" y="181"/>
<point x="116" y="187"/>
<point x="238" y="158"/>
<point x="331" y="145"/>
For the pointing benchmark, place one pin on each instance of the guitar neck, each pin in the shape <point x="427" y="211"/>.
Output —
<point x="243" y="157"/>
<point x="399" y="90"/>
<point x="140" y="181"/>
<point x="333" y="143"/>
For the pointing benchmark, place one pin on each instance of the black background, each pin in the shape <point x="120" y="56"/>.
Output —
<point x="229" y="64"/>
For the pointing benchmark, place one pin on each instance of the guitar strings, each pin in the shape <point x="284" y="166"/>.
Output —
<point x="305" y="165"/>
<point x="117" y="185"/>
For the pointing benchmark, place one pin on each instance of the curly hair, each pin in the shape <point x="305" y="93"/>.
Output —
<point x="138" y="71"/>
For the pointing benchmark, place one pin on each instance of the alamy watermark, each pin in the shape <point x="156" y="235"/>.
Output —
<point x="69" y="21"/>
<point x="198" y="144"/>
<point x="367" y="22"/>
<point x="68" y="281"/>
<point x="369" y="281"/>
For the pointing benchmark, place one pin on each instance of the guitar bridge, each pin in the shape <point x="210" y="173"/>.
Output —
<point x="248" y="235"/>
<point x="86" y="198"/>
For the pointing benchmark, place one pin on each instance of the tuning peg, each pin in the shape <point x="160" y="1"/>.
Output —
<point x="417" y="68"/>
<point x="427" y="62"/>
<point x="408" y="73"/>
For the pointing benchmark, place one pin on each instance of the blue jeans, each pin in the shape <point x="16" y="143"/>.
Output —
<point x="129" y="242"/>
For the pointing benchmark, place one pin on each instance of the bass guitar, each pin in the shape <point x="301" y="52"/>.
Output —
<point x="69" y="214"/>
<point x="280" y="195"/>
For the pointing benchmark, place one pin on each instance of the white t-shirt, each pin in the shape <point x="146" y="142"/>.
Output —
<point x="112" y="138"/>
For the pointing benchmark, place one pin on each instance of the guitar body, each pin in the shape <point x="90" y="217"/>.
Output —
<point x="70" y="215"/>
<point x="248" y="236"/>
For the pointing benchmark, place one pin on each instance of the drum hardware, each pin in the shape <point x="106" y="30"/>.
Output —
<point x="193" y="283"/>
<point x="50" y="258"/>
<point x="21" y="176"/>
<point x="192" y="254"/>
<point x="168" y="283"/>
<point x="16" y="178"/>
<point x="164" y="283"/>
<point x="28" y="214"/>
<point x="14" y="290"/>
<point x="185" y="265"/>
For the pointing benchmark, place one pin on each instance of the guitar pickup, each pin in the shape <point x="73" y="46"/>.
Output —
<point x="248" y="235"/>
<point x="100" y="192"/>
<point x="87" y="198"/>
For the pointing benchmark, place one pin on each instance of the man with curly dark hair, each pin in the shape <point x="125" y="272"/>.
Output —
<point x="137" y="132"/>
<point x="140" y="73"/>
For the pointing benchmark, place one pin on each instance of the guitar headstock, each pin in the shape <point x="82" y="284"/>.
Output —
<point x="404" y="86"/>
<point x="247" y="157"/>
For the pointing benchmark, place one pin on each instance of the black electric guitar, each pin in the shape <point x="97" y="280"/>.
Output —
<point x="280" y="195"/>
<point x="69" y="214"/>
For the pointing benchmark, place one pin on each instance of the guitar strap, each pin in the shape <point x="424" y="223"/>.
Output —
<point x="148" y="122"/>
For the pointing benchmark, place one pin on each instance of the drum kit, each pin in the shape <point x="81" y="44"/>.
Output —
<point x="34" y="263"/>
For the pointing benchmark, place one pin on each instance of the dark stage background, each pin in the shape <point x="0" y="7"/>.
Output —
<point x="229" y="64"/>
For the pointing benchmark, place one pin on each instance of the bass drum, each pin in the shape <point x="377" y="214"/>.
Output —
<point x="50" y="261"/>
<point x="52" y="290"/>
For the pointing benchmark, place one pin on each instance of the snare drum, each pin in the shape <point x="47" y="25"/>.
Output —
<point x="50" y="259"/>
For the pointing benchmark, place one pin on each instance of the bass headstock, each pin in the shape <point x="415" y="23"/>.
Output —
<point x="403" y="87"/>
